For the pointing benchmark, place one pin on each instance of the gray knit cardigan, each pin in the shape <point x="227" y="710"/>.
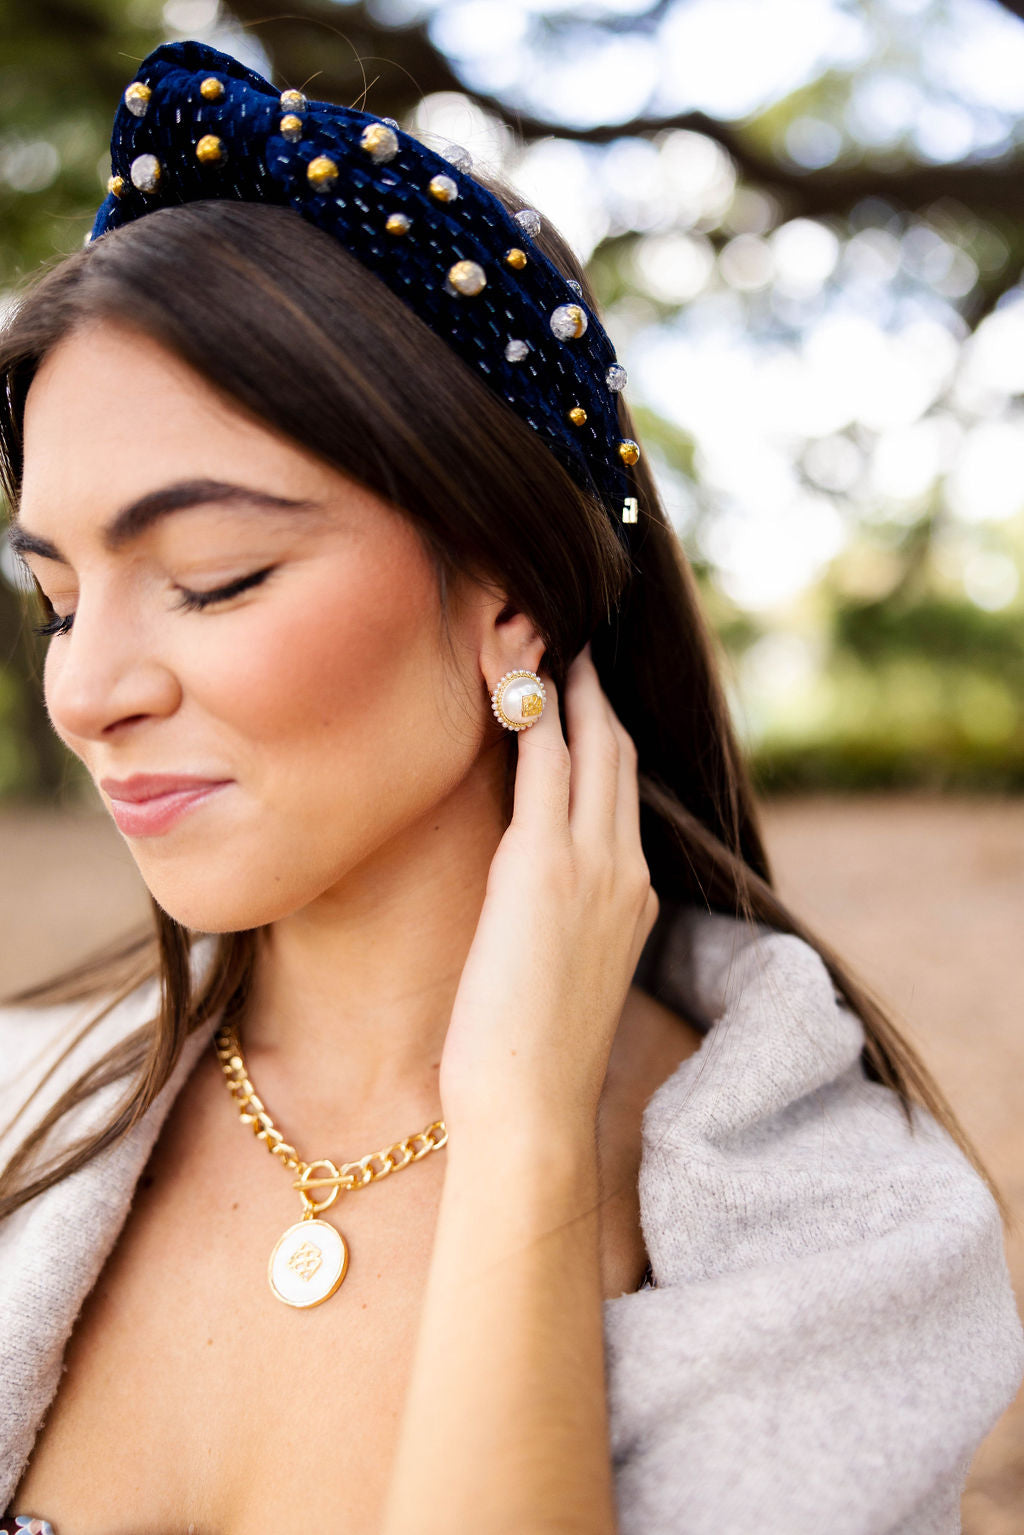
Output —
<point x="832" y="1329"/>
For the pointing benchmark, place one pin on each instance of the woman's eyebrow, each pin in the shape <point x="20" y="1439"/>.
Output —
<point x="135" y="518"/>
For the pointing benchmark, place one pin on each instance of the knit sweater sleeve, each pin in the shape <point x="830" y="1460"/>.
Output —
<point x="833" y="1330"/>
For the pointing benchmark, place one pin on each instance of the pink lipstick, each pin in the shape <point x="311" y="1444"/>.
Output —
<point x="151" y="803"/>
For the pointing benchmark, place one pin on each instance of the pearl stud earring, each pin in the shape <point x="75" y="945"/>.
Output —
<point x="518" y="700"/>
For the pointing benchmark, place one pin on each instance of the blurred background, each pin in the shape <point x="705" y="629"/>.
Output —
<point x="805" y="220"/>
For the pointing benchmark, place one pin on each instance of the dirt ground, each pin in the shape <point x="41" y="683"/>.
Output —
<point x="923" y="896"/>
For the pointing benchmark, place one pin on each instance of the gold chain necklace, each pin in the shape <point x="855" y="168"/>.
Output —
<point x="310" y="1259"/>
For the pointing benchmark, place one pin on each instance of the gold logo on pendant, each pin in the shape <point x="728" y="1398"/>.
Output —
<point x="305" y="1260"/>
<point x="532" y="704"/>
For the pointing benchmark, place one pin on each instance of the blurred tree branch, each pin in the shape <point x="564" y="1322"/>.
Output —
<point x="397" y="66"/>
<point x="64" y="63"/>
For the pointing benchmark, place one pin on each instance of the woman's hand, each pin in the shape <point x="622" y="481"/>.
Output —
<point x="568" y="907"/>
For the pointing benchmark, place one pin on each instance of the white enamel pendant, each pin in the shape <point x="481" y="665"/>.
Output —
<point x="308" y="1263"/>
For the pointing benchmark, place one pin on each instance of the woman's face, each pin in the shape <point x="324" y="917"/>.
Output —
<point x="260" y="689"/>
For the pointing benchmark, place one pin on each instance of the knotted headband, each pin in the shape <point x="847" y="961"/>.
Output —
<point x="195" y="123"/>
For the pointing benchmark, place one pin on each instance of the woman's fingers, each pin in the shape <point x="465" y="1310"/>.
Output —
<point x="541" y="801"/>
<point x="603" y="763"/>
<point x="584" y="790"/>
<point x="594" y="754"/>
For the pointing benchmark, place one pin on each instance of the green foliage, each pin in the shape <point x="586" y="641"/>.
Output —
<point x="61" y="66"/>
<point x="915" y="682"/>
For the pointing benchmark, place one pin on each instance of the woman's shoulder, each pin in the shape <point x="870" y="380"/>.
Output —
<point x="772" y="1122"/>
<point x="831" y="1284"/>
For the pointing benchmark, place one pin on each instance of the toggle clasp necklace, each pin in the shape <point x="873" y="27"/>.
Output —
<point x="310" y="1259"/>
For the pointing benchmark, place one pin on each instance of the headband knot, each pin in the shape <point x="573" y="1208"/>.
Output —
<point x="196" y="124"/>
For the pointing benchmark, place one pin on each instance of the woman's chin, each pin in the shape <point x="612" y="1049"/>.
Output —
<point x="220" y="908"/>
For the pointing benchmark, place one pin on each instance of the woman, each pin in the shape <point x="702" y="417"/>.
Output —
<point x="703" y="1248"/>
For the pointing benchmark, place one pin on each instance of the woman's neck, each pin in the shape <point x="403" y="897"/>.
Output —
<point x="353" y="994"/>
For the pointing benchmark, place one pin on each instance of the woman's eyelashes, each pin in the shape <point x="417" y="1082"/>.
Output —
<point x="191" y="600"/>
<point x="194" y="600"/>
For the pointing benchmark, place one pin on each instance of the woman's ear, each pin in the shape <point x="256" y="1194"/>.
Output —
<point x="509" y="641"/>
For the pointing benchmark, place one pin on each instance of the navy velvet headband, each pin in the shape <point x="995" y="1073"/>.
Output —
<point x="195" y="124"/>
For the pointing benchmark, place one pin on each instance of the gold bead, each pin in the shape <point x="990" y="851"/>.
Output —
<point x="629" y="451"/>
<point x="293" y="101"/>
<point x="443" y="188"/>
<point x="515" y="258"/>
<point x="380" y="142"/>
<point x="398" y="224"/>
<point x="211" y="88"/>
<point x="136" y="98"/>
<point x="577" y="415"/>
<point x="115" y="184"/>
<point x="322" y="171"/>
<point x="290" y="127"/>
<point x="467" y="277"/>
<point x="210" y="149"/>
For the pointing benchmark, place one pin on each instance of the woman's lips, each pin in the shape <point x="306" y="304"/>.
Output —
<point x="151" y="803"/>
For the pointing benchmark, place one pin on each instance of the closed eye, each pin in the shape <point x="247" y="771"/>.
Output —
<point x="190" y="600"/>
<point x="197" y="600"/>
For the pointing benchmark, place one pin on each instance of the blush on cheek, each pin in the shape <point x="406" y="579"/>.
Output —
<point x="336" y="656"/>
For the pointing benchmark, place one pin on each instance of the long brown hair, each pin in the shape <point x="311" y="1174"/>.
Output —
<point x="292" y="330"/>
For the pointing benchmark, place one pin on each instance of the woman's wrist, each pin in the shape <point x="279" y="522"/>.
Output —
<point x="541" y="1139"/>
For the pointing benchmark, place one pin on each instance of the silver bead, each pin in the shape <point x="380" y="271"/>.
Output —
<point x="459" y="157"/>
<point x="390" y="122"/>
<point x="569" y="321"/>
<point x="145" y="172"/>
<point x="467" y="277"/>
<point x="516" y="350"/>
<point x="616" y="378"/>
<point x="528" y="220"/>
<point x="443" y="188"/>
<point x="380" y="142"/>
<point x="136" y="98"/>
<point x="576" y="287"/>
<point x="293" y="101"/>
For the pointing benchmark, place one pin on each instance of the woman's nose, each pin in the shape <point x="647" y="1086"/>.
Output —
<point x="105" y="673"/>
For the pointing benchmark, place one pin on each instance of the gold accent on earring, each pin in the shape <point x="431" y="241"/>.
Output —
<point x="531" y="700"/>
